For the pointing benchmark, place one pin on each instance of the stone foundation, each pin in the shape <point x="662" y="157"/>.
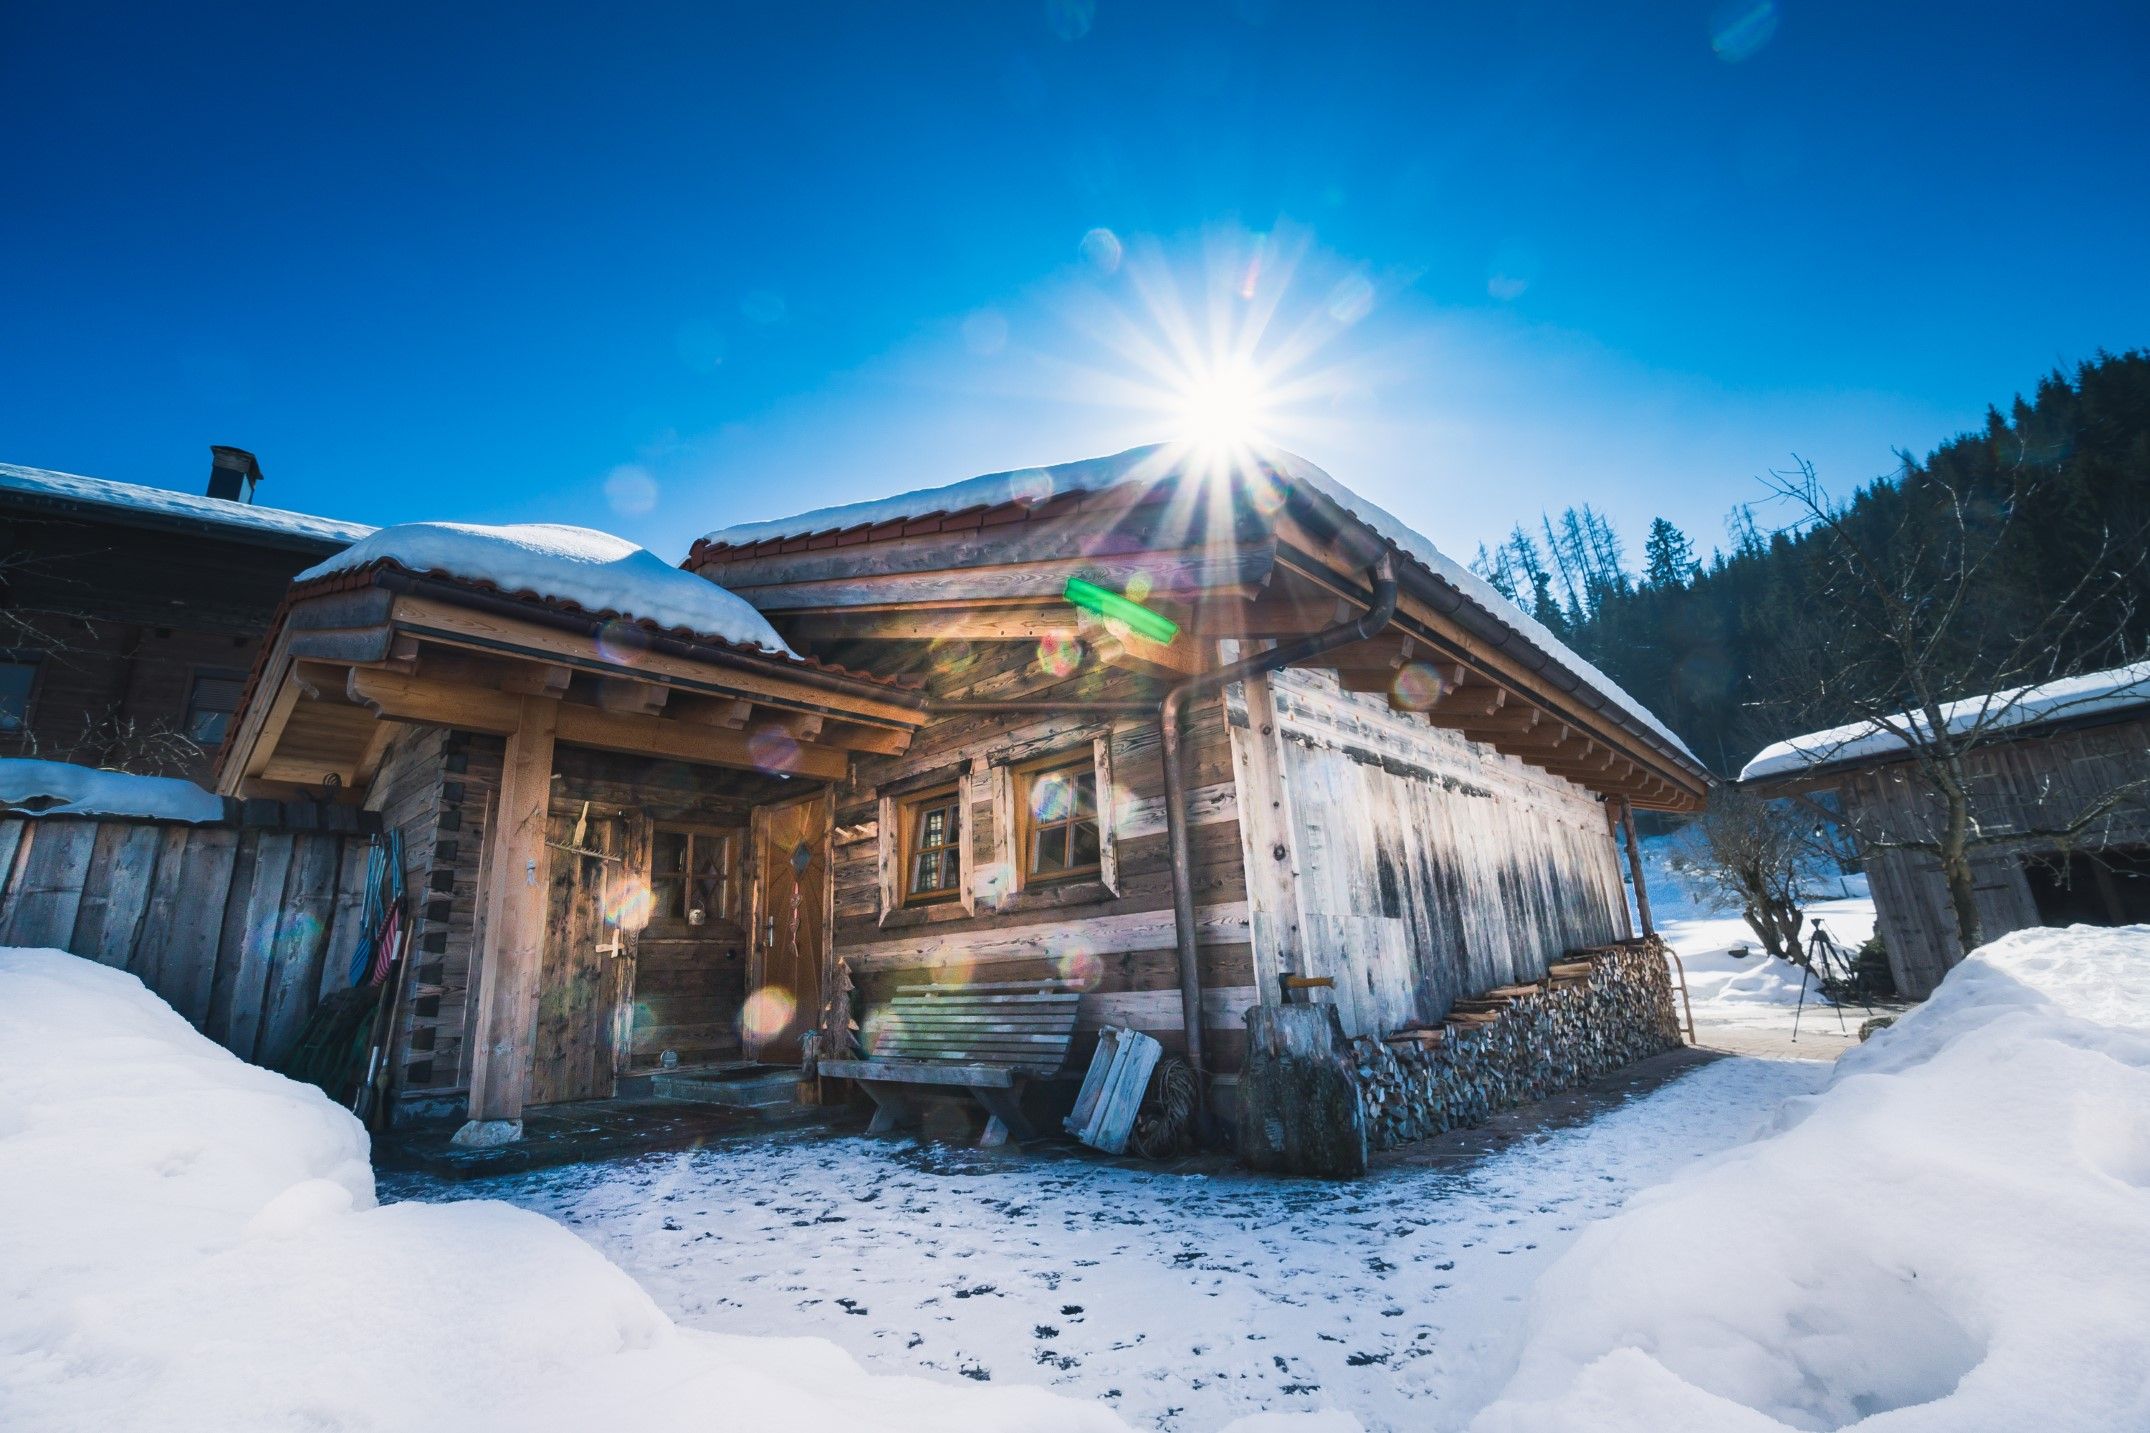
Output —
<point x="1595" y="1012"/>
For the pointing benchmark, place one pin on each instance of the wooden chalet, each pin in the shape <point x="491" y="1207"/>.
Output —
<point x="130" y="616"/>
<point x="2061" y="778"/>
<point x="1174" y="734"/>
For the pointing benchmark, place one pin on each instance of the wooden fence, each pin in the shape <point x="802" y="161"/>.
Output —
<point x="240" y="927"/>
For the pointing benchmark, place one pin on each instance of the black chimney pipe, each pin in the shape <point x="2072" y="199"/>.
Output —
<point x="232" y="474"/>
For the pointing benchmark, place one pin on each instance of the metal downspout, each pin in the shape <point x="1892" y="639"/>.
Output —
<point x="1169" y="714"/>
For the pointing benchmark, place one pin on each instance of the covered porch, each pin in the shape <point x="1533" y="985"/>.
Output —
<point x="615" y="822"/>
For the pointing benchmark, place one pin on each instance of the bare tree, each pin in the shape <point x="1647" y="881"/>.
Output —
<point x="1758" y="853"/>
<point x="1916" y="625"/>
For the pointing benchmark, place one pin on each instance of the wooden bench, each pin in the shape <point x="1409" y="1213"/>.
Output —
<point x="987" y="1040"/>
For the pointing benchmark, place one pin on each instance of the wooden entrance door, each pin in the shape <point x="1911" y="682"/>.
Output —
<point x="791" y="928"/>
<point x="586" y="974"/>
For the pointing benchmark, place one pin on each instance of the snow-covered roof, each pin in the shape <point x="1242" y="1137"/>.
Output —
<point x="2067" y="699"/>
<point x="1160" y="462"/>
<point x="603" y="575"/>
<point x="164" y="506"/>
<point x="57" y="788"/>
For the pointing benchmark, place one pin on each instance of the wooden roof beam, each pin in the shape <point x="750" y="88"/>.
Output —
<point x="1114" y="644"/>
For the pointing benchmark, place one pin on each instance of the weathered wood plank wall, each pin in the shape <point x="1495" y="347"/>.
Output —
<point x="2040" y="782"/>
<point x="240" y="930"/>
<point x="1427" y="866"/>
<point x="1116" y="942"/>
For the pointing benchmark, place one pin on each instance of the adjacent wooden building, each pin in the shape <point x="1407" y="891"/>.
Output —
<point x="643" y="848"/>
<point x="2049" y="757"/>
<point x="130" y="616"/>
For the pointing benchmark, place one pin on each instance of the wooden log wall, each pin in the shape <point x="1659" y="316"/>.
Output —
<point x="2041" y="782"/>
<point x="1428" y="867"/>
<point x="1118" y="947"/>
<point x="436" y="788"/>
<point x="241" y="928"/>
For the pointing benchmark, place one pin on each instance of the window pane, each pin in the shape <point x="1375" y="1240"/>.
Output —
<point x="933" y="828"/>
<point x="1086" y="793"/>
<point x="668" y="898"/>
<point x="210" y="704"/>
<point x="16" y="679"/>
<point x="1049" y="849"/>
<point x="1085" y="839"/>
<point x="670" y="854"/>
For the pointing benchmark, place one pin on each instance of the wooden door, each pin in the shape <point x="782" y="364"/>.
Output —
<point x="791" y="928"/>
<point x="583" y="978"/>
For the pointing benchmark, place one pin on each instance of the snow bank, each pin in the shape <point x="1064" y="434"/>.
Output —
<point x="2115" y="690"/>
<point x="600" y="573"/>
<point x="56" y="788"/>
<point x="165" y="504"/>
<point x="1158" y="462"/>
<point x="1954" y="1235"/>
<point x="192" y="1243"/>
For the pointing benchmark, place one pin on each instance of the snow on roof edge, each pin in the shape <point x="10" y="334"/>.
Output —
<point x="166" y="503"/>
<point x="600" y="573"/>
<point x="2112" y="690"/>
<point x="1156" y="461"/>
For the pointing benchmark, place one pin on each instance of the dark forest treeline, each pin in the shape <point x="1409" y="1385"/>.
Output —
<point x="1712" y="646"/>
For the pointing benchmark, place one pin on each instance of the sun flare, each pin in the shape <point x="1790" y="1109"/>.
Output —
<point x="1225" y="407"/>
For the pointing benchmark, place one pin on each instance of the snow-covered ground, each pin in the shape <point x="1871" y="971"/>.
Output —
<point x="1750" y="1002"/>
<point x="1182" y="1301"/>
<point x="188" y="1242"/>
<point x="1947" y="1231"/>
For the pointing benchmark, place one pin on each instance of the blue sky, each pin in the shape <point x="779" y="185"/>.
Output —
<point x="661" y="268"/>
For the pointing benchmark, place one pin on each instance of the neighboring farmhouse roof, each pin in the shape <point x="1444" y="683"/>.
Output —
<point x="594" y="572"/>
<point x="161" y="507"/>
<point x="1164" y="462"/>
<point x="2097" y="694"/>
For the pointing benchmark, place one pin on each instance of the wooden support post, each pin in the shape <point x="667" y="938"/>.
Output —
<point x="1634" y="867"/>
<point x="513" y="954"/>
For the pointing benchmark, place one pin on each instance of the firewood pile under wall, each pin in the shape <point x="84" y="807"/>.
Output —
<point x="1596" y="1011"/>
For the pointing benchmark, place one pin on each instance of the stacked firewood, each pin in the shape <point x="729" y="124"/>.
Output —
<point x="1594" y="1012"/>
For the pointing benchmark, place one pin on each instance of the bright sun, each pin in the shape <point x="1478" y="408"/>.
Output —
<point x="1225" y="407"/>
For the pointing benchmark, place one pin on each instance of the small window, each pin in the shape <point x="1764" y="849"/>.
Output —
<point x="691" y="876"/>
<point x="1056" y="812"/>
<point x="18" y="680"/>
<point x="210" y="704"/>
<point x="933" y="849"/>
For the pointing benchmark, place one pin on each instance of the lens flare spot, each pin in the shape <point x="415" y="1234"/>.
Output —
<point x="1101" y="249"/>
<point x="630" y="489"/>
<point x="772" y="749"/>
<point x="1082" y="969"/>
<point x="1139" y="587"/>
<point x="767" y="1012"/>
<point x="622" y="641"/>
<point x="1059" y="655"/>
<point x="1052" y="797"/>
<point x="1739" y="30"/>
<point x="1352" y="299"/>
<point x="1417" y="687"/>
<point x="296" y="936"/>
<point x="628" y="904"/>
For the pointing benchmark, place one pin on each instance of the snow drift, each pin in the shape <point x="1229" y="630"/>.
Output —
<point x="192" y="1242"/>
<point x="59" y="788"/>
<point x="1953" y="1235"/>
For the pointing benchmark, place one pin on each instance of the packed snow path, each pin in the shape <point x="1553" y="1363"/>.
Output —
<point x="1182" y="1301"/>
